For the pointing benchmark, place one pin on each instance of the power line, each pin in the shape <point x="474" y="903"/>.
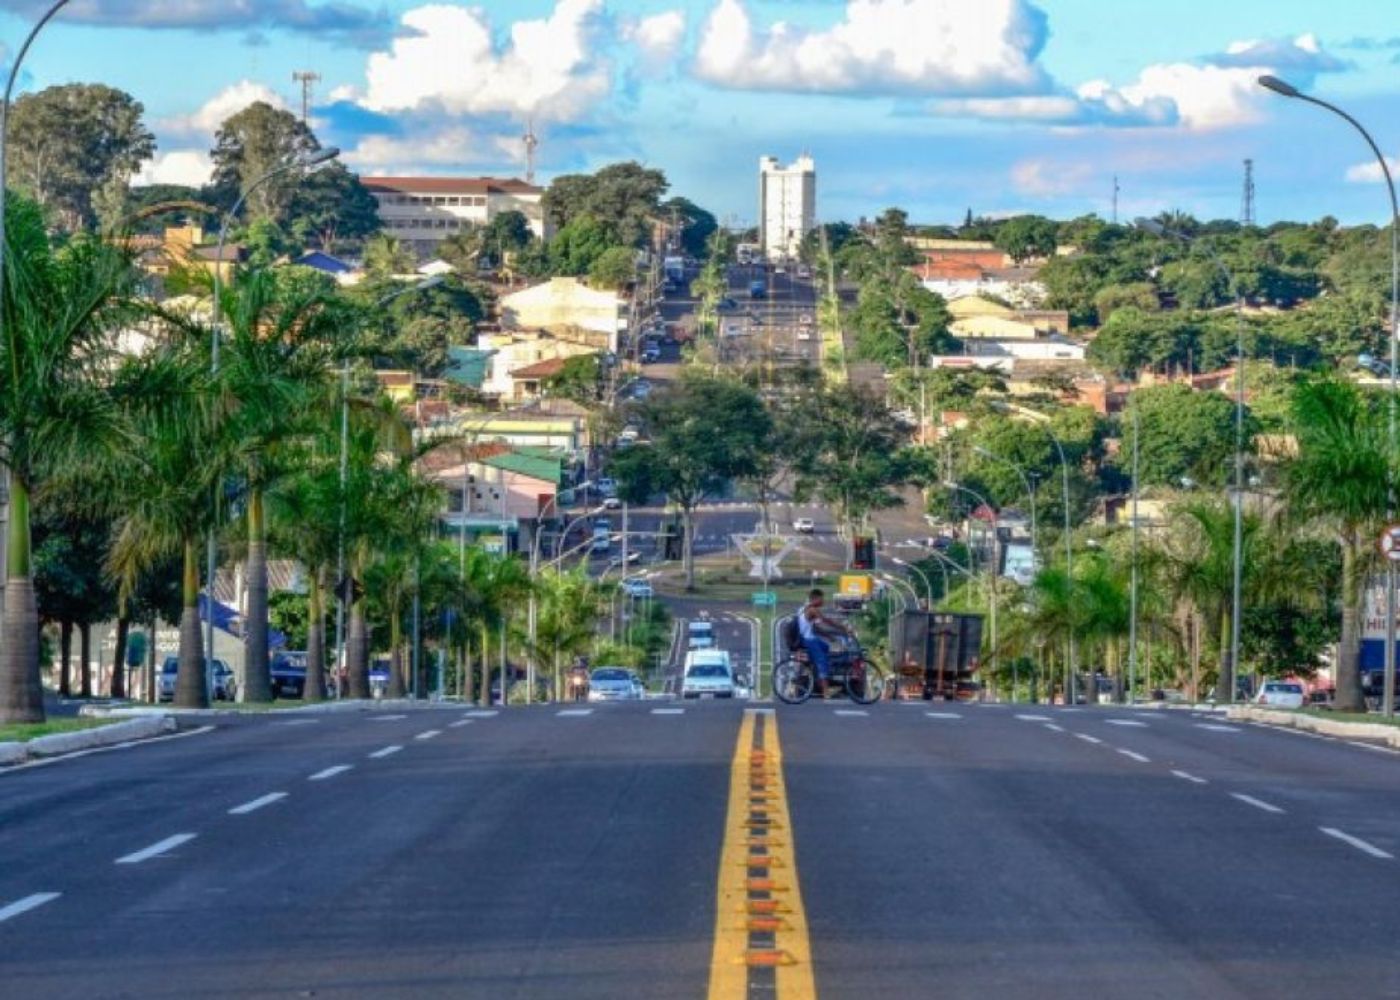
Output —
<point x="308" y="80"/>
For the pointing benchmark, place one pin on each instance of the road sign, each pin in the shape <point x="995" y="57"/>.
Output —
<point x="765" y="599"/>
<point x="1390" y="543"/>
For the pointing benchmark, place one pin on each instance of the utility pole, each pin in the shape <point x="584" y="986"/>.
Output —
<point x="308" y="80"/>
<point x="1116" y="189"/>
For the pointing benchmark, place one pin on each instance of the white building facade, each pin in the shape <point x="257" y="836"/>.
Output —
<point x="787" y="205"/>
<point x="423" y="211"/>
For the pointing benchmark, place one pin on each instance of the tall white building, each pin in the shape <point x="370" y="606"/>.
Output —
<point x="424" y="211"/>
<point x="787" y="205"/>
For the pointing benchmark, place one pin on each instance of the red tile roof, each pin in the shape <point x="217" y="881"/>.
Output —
<point x="450" y="185"/>
<point x="540" y="369"/>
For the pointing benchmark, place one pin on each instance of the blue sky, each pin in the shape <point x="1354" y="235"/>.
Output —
<point x="937" y="106"/>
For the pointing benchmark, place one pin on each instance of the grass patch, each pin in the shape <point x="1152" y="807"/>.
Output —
<point x="22" y="732"/>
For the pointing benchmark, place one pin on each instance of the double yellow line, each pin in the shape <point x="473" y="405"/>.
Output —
<point x="760" y="924"/>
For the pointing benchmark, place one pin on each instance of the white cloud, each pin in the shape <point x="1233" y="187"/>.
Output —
<point x="1048" y="179"/>
<point x="226" y="103"/>
<point x="178" y="166"/>
<point x="1303" y="54"/>
<point x="547" y="69"/>
<point x="434" y="149"/>
<point x="1370" y="171"/>
<point x="657" y="38"/>
<point x="1092" y="105"/>
<point x="954" y="47"/>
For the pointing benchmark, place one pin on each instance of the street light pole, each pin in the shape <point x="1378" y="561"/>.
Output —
<point x="1285" y="89"/>
<point x="1030" y="491"/>
<point x="928" y="587"/>
<point x="1225" y="687"/>
<point x="993" y="569"/>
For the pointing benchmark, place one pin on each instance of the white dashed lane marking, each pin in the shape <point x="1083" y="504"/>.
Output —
<point x="428" y="734"/>
<point x="386" y="718"/>
<point x="1135" y="756"/>
<point x="256" y="804"/>
<point x="668" y="711"/>
<point x="1185" y="776"/>
<point x="1357" y="843"/>
<point x="1054" y="728"/>
<point x="1087" y="738"/>
<point x="26" y="904"/>
<point x="1250" y="800"/>
<point x="574" y="712"/>
<point x="1034" y="718"/>
<point x="329" y="772"/>
<point x="1126" y="722"/>
<point x="483" y="713"/>
<point x="460" y="723"/>
<point x="850" y="711"/>
<point x="385" y="752"/>
<point x="155" y="850"/>
<point x="1215" y="727"/>
<point x="943" y="715"/>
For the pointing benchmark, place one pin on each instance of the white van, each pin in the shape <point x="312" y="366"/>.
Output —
<point x="708" y="674"/>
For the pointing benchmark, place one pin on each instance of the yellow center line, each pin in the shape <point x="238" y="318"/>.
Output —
<point x="758" y="889"/>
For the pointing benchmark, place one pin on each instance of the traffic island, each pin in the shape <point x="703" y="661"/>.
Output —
<point x="61" y="736"/>
<point x="1354" y="727"/>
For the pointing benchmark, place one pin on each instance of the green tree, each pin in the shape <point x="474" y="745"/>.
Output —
<point x="508" y="232"/>
<point x="1338" y="481"/>
<point x="387" y="257"/>
<point x="1185" y="434"/>
<point x="74" y="149"/>
<point x="1025" y="237"/>
<point x="1073" y="284"/>
<point x="1138" y="295"/>
<point x="623" y="198"/>
<point x="579" y="380"/>
<point x="696" y="224"/>
<point x="570" y="604"/>
<point x="332" y="209"/>
<point x="578" y="245"/>
<point x="702" y="431"/>
<point x="614" y="269"/>
<point x="58" y="311"/>
<point x="250" y="144"/>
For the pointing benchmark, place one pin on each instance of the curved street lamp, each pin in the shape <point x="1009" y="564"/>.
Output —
<point x="993" y="567"/>
<point x="1285" y="89"/>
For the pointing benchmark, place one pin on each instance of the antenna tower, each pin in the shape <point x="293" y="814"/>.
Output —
<point x="308" y="79"/>
<point x="1115" y="199"/>
<point x="1247" y="202"/>
<point x="532" y="143"/>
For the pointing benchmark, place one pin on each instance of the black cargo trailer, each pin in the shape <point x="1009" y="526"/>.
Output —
<point x="936" y="651"/>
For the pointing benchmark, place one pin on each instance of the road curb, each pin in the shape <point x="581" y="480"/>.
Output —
<point x="55" y="744"/>
<point x="1286" y="719"/>
<point x="343" y="705"/>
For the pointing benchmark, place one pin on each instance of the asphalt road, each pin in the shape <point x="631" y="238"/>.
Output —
<point x="940" y="851"/>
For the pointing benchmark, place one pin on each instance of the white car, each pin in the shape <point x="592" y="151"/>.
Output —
<point x="1280" y="694"/>
<point x="805" y="334"/>
<point x="803" y="525"/>
<point x="611" y="684"/>
<point x="612" y="503"/>
<point x="635" y="586"/>
<point x="707" y="675"/>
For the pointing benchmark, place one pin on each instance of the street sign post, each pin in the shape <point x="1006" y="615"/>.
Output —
<point x="1390" y="542"/>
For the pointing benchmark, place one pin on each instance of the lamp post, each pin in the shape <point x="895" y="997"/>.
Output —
<point x="1225" y="688"/>
<point x="993" y="567"/>
<point x="533" y="609"/>
<point x="297" y="162"/>
<point x="928" y="587"/>
<point x="422" y="286"/>
<point x="1285" y="89"/>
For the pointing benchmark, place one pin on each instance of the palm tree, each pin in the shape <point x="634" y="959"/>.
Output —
<point x="160" y="488"/>
<point x="57" y="310"/>
<point x="1339" y="482"/>
<point x="494" y="585"/>
<point x="273" y="370"/>
<point x="387" y="256"/>
<point x="566" y="621"/>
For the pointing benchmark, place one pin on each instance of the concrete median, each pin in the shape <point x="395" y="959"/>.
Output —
<point x="1345" y="728"/>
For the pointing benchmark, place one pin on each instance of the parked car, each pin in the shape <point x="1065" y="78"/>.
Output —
<point x="606" y="486"/>
<point x="612" y="503"/>
<point x="611" y="684"/>
<point x="225" y="684"/>
<point x="651" y="354"/>
<point x="288" y="675"/>
<point x="708" y="674"/>
<point x="636" y="586"/>
<point x="1280" y="694"/>
<point x="803" y="525"/>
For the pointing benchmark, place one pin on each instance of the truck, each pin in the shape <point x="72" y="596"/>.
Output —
<point x="674" y="269"/>
<point x="853" y="590"/>
<point x="936" y="654"/>
<point x="757" y="290"/>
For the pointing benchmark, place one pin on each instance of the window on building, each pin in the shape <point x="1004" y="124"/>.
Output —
<point x="454" y="200"/>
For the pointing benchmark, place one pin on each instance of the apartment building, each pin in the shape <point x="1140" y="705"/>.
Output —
<point x="787" y="205"/>
<point x="424" y="211"/>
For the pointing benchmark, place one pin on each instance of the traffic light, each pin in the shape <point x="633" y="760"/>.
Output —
<point x="348" y="590"/>
<point x="862" y="552"/>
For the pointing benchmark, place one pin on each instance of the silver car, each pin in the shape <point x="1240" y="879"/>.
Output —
<point x="611" y="684"/>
